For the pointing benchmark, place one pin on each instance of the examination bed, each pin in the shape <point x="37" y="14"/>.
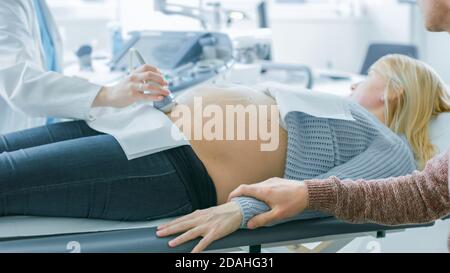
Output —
<point x="81" y="236"/>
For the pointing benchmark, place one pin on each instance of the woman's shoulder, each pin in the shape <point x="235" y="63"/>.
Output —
<point x="384" y="140"/>
<point x="371" y="123"/>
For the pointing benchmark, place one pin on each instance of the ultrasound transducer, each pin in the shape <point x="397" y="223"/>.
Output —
<point x="167" y="104"/>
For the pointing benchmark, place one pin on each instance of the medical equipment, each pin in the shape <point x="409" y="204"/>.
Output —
<point x="212" y="18"/>
<point x="165" y="105"/>
<point x="254" y="50"/>
<point x="378" y="50"/>
<point x="253" y="47"/>
<point x="268" y="66"/>
<point x="116" y="38"/>
<point x="84" y="55"/>
<point x="185" y="58"/>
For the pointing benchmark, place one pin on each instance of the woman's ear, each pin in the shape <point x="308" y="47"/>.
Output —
<point x="394" y="95"/>
<point x="398" y="93"/>
<point x="401" y="91"/>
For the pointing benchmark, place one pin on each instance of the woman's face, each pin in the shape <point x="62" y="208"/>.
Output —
<point x="370" y="92"/>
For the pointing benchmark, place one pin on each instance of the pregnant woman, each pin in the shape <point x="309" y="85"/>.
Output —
<point x="70" y="170"/>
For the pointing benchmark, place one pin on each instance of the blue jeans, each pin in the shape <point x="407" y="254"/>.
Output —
<point x="69" y="170"/>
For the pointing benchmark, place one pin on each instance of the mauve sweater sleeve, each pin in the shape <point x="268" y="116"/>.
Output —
<point x="418" y="198"/>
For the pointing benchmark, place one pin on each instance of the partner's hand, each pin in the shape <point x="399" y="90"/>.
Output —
<point x="285" y="198"/>
<point x="131" y="89"/>
<point x="212" y="224"/>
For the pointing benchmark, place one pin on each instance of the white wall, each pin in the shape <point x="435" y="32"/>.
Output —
<point x="334" y="44"/>
<point x="437" y="53"/>
<point x="390" y="21"/>
<point x="330" y="38"/>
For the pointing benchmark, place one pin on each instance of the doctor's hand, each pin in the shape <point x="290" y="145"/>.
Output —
<point x="212" y="224"/>
<point x="285" y="198"/>
<point x="131" y="89"/>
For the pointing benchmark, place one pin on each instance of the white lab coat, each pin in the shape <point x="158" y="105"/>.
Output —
<point x="27" y="92"/>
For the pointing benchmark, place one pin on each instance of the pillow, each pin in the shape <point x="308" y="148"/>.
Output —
<point x="440" y="132"/>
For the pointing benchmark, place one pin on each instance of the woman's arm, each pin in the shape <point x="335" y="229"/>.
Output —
<point x="418" y="198"/>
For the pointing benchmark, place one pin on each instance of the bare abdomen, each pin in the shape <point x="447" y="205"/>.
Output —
<point x="235" y="132"/>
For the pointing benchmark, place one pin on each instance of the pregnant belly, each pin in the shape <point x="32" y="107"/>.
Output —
<point x="236" y="133"/>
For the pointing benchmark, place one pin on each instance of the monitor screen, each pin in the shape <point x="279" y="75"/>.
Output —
<point x="161" y="49"/>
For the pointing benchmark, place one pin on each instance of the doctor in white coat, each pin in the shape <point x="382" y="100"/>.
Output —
<point x="31" y="85"/>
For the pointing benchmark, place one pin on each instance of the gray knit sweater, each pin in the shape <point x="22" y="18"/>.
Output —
<point x="321" y="148"/>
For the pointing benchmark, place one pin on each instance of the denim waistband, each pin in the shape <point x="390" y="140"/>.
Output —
<point x="192" y="172"/>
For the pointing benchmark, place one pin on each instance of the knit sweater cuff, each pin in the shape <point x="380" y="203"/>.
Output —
<point x="323" y="194"/>
<point x="250" y="208"/>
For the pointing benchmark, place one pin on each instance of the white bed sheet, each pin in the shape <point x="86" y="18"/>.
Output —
<point x="21" y="226"/>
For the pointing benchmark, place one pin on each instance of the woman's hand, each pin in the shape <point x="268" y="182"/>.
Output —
<point x="211" y="224"/>
<point x="131" y="89"/>
<point x="285" y="198"/>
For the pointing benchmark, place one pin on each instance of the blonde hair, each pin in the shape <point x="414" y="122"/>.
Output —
<point x="414" y="95"/>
